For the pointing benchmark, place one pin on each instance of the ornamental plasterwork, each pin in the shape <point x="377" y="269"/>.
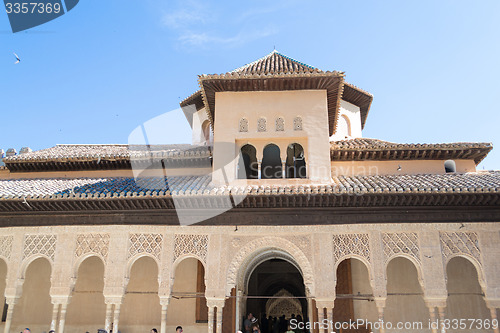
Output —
<point x="303" y="242"/>
<point x="280" y="124"/>
<point x="401" y="243"/>
<point x="145" y="243"/>
<point x="92" y="243"/>
<point x="243" y="125"/>
<point x="345" y="245"/>
<point x="261" y="125"/>
<point x="191" y="244"/>
<point x="283" y="304"/>
<point x="6" y="246"/>
<point x="297" y="124"/>
<point x="460" y="243"/>
<point x="40" y="244"/>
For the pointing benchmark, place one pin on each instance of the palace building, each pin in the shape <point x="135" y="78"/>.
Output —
<point x="278" y="207"/>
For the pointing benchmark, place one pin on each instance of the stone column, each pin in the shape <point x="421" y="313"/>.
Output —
<point x="109" y="316"/>
<point x="218" y="328"/>
<point x="321" y="319"/>
<point x="239" y="308"/>
<point x="62" y="318"/>
<point x="259" y="169"/>
<point x="329" y="315"/>
<point x="441" y="318"/>
<point x="493" y="318"/>
<point x="164" y="304"/>
<point x="10" y="311"/>
<point x="283" y="169"/>
<point x="432" y="304"/>
<point x="116" y="317"/>
<point x="380" y="303"/>
<point x="210" y="319"/>
<point x="432" y="316"/>
<point x="55" y="314"/>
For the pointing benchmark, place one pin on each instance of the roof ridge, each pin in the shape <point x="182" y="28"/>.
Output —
<point x="268" y="56"/>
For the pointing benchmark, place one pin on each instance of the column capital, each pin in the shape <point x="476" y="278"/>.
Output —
<point x="215" y="302"/>
<point x="60" y="299"/>
<point x="492" y="303"/>
<point x="328" y="303"/>
<point x="115" y="299"/>
<point x="164" y="300"/>
<point x="435" y="302"/>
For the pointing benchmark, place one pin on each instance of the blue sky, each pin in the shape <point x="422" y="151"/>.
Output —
<point x="107" y="66"/>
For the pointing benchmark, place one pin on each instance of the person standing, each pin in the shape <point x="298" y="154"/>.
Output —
<point x="248" y="323"/>
<point x="178" y="329"/>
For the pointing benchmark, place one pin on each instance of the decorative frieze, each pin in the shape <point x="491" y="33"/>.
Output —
<point x="92" y="243"/>
<point x="191" y="244"/>
<point x="401" y="243"/>
<point x="460" y="243"/>
<point x="145" y="243"/>
<point x="345" y="245"/>
<point x="40" y="244"/>
<point x="6" y="246"/>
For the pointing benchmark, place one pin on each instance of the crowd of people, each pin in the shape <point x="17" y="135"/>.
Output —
<point x="272" y="324"/>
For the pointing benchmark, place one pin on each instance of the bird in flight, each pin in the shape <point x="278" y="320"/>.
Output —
<point x="17" y="59"/>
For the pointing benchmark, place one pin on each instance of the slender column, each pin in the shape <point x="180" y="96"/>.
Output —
<point x="329" y="315"/>
<point x="441" y="318"/>
<point x="218" y="328"/>
<point x="211" y="319"/>
<point x="238" y="310"/>
<point x="10" y="311"/>
<point x="283" y="169"/>
<point x="163" y="325"/>
<point x="116" y="317"/>
<point x="259" y="169"/>
<point x="55" y="314"/>
<point x="321" y="319"/>
<point x="432" y="315"/>
<point x="62" y="319"/>
<point x="109" y="315"/>
<point x="493" y="318"/>
<point x="380" y="310"/>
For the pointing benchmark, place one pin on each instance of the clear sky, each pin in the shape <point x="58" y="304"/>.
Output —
<point x="107" y="66"/>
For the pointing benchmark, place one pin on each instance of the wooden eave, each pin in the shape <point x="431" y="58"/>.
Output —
<point x="332" y="82"/>
<point x="360" y="98"/>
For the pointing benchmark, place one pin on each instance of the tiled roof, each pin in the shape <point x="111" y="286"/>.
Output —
<point x="275" y="63"/>
<point x="374" y="149"/>
<point x="127" y="187"/>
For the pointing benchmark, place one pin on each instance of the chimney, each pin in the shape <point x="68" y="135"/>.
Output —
<point x="11" y="152"/>
<point x="25" y="150"/>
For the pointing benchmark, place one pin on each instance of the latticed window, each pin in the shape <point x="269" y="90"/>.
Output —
<point x="297" y="124"/>
<point x="244" y="125"/>
<point x="280" y="125"/>
<point x="261" y="125"/>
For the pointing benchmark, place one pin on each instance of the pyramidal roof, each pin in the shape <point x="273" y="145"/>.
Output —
<point x="275" y="63"/>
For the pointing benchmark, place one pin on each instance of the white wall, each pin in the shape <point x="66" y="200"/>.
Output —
<point x="352" y="113"/>
<point x="199" y="118"/>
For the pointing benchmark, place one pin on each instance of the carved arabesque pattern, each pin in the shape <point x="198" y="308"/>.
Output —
<point x="280" y="124"/>
<point x="277" y="307"/>
<point x="457" y="243"/>
<point x="243" y="125"/>
<point x="145" y="243"/>
<point x="297" y="124"/>
<point x="261" y="125"/>
<point x="92" y="243"/>
<point x="401" y="243"/>
<point x="191" y="244"/>
<point x="40" y="244"/>
<point x="349" y="244"/>
<point x="6" y="246"/>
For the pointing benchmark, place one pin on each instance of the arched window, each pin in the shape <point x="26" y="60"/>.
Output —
<point x="295" y="161"/>
<point x="297" y="124"/>
<point x="450" y="166"/>
<point x="261" y="125"/>
<point x="205" y="130"/>
<point x="344" y="126"/>
<point x="247" y="166"/>
<point x="244" y="125"/>
<point x="271" y="162"/>
<point x="280" y="124"/>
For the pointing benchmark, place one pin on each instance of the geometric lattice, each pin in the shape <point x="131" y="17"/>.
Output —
<point x="280" y="124"/>
<point x="460" y="243"/>
<point x="191" y="244"/>
<point x="401" y="242"/>
<point x="92" y="243"/>
<point x="145" y="243"/>
<point x="347" y="244"/>
<point x="261" y="125"/>
<point x="40" y="244"/>
<point x="243" y="125"/>
<point x="284" y="304"/>
<point x="297" y="124"/>
<point x="6" y="246"/>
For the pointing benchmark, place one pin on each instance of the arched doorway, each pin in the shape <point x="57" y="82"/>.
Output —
<point x="247" y="168"/>
<point x="465" y="296"/>
<point x="271" y="162"/>
<point x="141" y="308"/>
<point x="87" y="310"/>
<point x="275" y="294"/>
<point x="34" y="308"/>
<point x="295" y="161"/>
